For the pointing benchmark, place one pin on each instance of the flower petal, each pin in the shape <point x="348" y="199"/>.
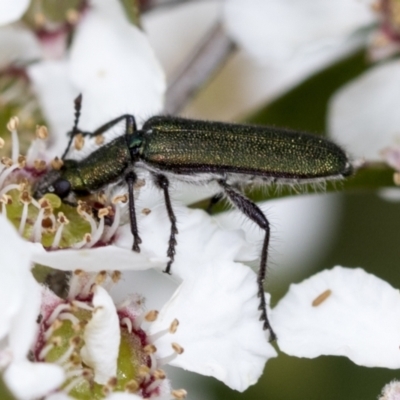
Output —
<point x="102" y="337"/>
<point x="219" y="325"/>
<point x="19" y="294"/>
<point x="361" y="114"/>
<point x="30" y="381"/>
<point x="114" y="67"/>
<point x="11" y="10"/>
<point x="359" y="319"/>
<point x="278" y="30"/>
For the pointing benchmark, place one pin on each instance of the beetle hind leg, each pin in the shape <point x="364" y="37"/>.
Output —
<point x="162" y="183"/>
<point x="130" y="179"/>
<point x="252" y="211"/>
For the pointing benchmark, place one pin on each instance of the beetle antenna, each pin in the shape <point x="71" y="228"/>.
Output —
<point x="75" y="130"/>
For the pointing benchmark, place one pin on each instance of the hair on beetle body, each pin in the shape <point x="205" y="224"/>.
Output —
<point x="199" y="152"/>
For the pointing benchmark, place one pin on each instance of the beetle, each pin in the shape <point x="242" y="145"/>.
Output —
<point x="199" y="152"/>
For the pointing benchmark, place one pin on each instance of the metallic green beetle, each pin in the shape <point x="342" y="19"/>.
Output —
<point x="200" y="152"/>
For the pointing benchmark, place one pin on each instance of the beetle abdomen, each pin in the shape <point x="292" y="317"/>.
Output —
<point x="190" y="147"/>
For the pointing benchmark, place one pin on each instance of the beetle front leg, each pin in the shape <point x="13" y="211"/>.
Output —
<point x="130" y="179"/>
<point x="162" y="182"/>
<point x="252" y="211"/>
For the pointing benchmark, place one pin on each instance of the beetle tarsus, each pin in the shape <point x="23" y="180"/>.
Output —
<point x="163" y="183"/>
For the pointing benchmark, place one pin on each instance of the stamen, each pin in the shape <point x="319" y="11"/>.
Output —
<point x="9" y="187"/>
<point x="2" y="143"/>
<point x="36" y="235"/>
<point x="62" y="220"/>
<point x="150" y="349"/>
<point x="55" y="342"/>
<point x="69" y="317"/>
<point x="6" y="172"/>
<point x="79" y="141"/>
<point x="5" y="200"/>
<point x="116" y="276"/>
<point x="25" y="198"/>
<point x="96" y="235"/>
<point x="151" y="316"/>
<point x="39" y="165"/>
<point x="56" y="163"/>
<point x="82" y="305"/>
<point x="87" y="237"/>
<point x="166" y="360"/>
<point x="114" y="226"/>
<point x="321" y="298"/>
<point x="53" y="327"/>
<point x="74" y="383"/>
<point x="174" y="326"/>
<point x="159" y="374"/>
<point x="12" y="126"/>
<point x="179" y="394"/>
<point x="21" y="161"/>
<point x="99" y="140"/>
<point x="177" y="348"/>
<point x="41" y="132"/>
<point x="56" y="312"/>
<point x="66" y="356"/>
<point x="101" y="277"/>
<point x="126" y="321"/>
<point x="132" y="386"/>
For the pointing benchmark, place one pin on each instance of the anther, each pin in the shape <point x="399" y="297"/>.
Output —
<point x="116" y="276"/>
<point x="62" y="220"/>
<point x="146" y="211"/>
<point x="321" y="298"/>
<point x="101" y="277"/>
<point x="159" y="374"/>
<point x="72" y="16"/>
<point x="7" y="161"/>
<point x="149" y="349"/>
<point x="39" y="165"/>
<point x="143" y="371"/>
<point x="151" y="316"/>
<point x="178" y="349"/>
<point x="103" y="212"/>
<point x="53" y="327"/>
<point x="99" y="140"/>
<point x="122" y="198"/>
<point x="41" y="132"/>
<point x="56" y="163"/>
<point x="13" y="124"/>
<point x="21" y="161"/>
<point x="179" y="394"/>
<point x="79" y="141"/>
<point x="174" y="326"/>
<point x="132" y="386"/>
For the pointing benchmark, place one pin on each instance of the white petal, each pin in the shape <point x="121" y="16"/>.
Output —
<point x="114" y="67"/>
<point x="17" y="44"/>
<point x="15" y="276"/>
<point x="97" y="259"/>
<point x="123" y="396"/>
<point x="362" y="114"/>
<point x="102" y="338"/>
<point x="56" y="94"/>
<point x="359" y="319"/>
<point x="11" y="10"/>
<point x="219" y="325"/>
<point x="30" y="381"/>
<point x="283" y="29"/>
<point x="302" y="227"/>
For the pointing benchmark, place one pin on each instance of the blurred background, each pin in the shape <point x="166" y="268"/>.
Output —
<point x="310" y="232"/>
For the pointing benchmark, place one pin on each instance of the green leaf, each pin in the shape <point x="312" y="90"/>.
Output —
<point x="5" y="394"/>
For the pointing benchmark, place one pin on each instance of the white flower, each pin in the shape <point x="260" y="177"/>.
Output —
<point x="342" y="311"/>
<point x="11" y="10"/>
<point x="19" y="305"/>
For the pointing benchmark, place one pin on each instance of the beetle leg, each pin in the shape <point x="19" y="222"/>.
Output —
<point x="252" y="211"/>
<point x="162" y="182"/>
<point x="130" y="179"/>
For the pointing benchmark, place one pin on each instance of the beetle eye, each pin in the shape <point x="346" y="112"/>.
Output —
<point x="62" y="187"/>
